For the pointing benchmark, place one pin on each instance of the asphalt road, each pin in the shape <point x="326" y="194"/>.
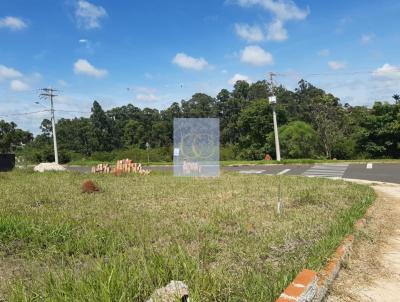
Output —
<point x="373" y="172"/>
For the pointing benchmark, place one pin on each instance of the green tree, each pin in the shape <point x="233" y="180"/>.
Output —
<point x="133" y="134"/>
<point x="325" y="119"/>
<point x="246" y="125"/>
<point x="255" y="122"/>
<point x="396" y="97"/>
<point x="380" y="132"/>
<point x="200" y="105"/>
<point x="11" y="137"/>
<point x="75" y="135"/>
<point x="241" y="90"/>
<point x="258" y="90"/>
<point x="102" y="131"/>
<point x="298" y="140"/>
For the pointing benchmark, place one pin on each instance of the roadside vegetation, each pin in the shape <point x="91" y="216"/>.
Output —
<point x="313" y="124"/>
<point x="221" y="236"/>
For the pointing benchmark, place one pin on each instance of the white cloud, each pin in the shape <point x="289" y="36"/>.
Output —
<point x="83" y="41"/>
<point x="84" y="67"/>
<point x="145" y="94"/>
<point x="367" y="38"/>
<point x="276" y="31"/>
<point x="89" y="15"/>
<point x="17" y="85"/>
<point x="149" y="97"/>
<point x="9" y="73"/>
<point x="388" y="72"/>
<point x="12" y="23"/>
<point x="188" y="62"/>
<point x="238" y="77"/>
<point x="324" y="52"/>
<point x="283" y="9"/>
<point x="62" y="83"/>
<point x="148" y="76"/>
<point x="249" y="33"/>
<point x="336" y="65"/>
<point x="37" y="76"/>
<point x="256" y="56"/>
<point x="342" y="25"/>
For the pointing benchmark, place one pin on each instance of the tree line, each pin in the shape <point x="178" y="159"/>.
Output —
<point x="313" y="124"/>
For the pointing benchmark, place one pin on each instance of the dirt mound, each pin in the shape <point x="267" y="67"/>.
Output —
<point x="89" y="187"/>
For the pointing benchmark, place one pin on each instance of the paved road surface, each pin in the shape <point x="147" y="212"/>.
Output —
<point x="373" y="172"/>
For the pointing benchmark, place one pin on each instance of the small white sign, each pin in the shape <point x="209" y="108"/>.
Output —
<point x="176" y="151"/>
<point x="272" y="99"/>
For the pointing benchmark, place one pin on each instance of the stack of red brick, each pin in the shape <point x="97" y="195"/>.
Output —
<point x="123" y="166"/>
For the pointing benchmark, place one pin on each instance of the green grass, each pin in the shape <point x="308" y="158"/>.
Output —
<point x="220" y="236"/>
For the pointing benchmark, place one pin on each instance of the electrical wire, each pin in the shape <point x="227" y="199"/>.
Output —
<point x="23" y="113"/>
<point x="36" y="112"/>
<point x="72" y="111"/>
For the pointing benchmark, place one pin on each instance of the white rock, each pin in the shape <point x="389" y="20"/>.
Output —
<point x="43" y="167"/>
<point x="174" y="291"/>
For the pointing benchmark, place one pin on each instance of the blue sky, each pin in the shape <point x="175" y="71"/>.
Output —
<point x="151" y="53"/>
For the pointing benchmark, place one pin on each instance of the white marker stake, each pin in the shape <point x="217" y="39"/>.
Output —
<point x="283" y="172"/>
<point x="369" y="166"/>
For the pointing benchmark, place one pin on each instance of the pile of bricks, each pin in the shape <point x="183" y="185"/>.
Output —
<point x="102" y="168"/>
<point x="123" y="166"/>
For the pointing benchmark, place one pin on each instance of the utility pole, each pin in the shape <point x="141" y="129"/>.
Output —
<point x="48" y="93"/>
<point x="272" y="100"/>
<point x="148" y="156"/>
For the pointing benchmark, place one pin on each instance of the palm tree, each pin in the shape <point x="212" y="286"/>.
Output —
<point x="397" y="98"/>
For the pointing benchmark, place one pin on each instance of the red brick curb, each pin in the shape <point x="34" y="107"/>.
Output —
<point x="311" y="286"/>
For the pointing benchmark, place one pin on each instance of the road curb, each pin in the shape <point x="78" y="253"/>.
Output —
<point x="311" y="286"/>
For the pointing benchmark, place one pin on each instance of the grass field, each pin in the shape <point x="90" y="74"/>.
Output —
<point x="220" y="236"/>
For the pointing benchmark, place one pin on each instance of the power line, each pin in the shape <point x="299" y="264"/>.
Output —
<point x="41" y="111"/>
<point x="72" y="111"/>
<point x="23" y="113"/>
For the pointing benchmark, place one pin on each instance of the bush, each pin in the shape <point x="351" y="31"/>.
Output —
<point x="252" y="153"/>
<point x="228" y="152"/>
<point x="45" y="153"/>
<point x="345" y="149"/>
<point x="298" y="140"/>
<point x="103" y="156"/>
<point x="136" y="154"/>
<point x="163" y="154"/>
